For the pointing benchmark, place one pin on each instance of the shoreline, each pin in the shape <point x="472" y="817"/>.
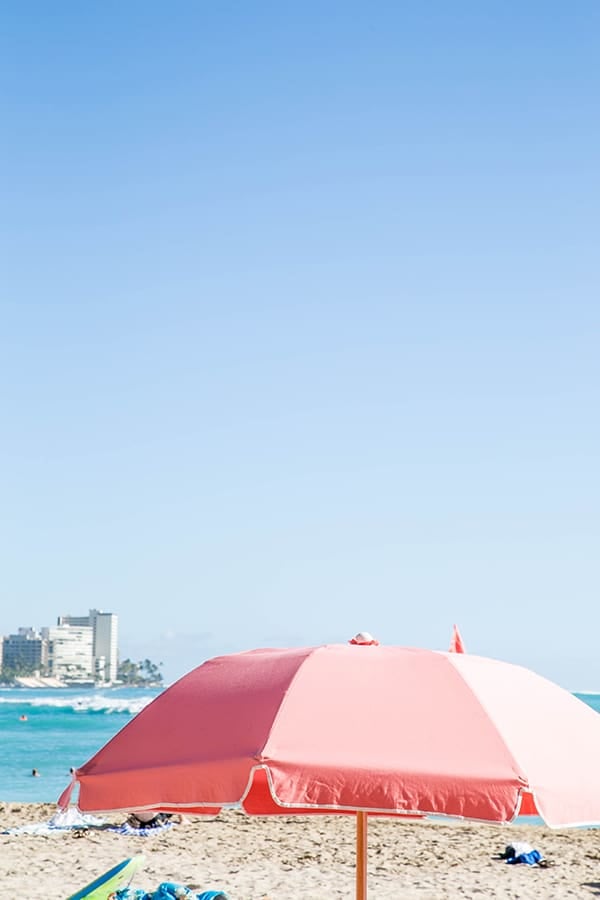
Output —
<point x="299" y="858"/>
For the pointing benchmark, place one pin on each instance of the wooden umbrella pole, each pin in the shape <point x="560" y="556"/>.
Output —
<point x="361" y="856"/>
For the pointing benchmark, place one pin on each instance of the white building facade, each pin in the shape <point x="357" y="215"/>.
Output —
<point x="70" y="652"/>
<point x="105" y="637"/>
<point x="106" y="649"/>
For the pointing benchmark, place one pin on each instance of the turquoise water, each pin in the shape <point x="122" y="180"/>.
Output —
<point x="592" y="700"/>
<point x="64" y="728"/>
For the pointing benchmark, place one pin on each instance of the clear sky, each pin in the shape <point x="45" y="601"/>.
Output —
<point x="299" y="324"/>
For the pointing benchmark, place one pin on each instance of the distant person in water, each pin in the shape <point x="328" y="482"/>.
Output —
<point x="35" y="773"/>
<point x="23" y="718"/>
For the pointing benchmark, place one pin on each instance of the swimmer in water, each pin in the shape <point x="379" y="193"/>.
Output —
<point x="23" y="718"/>
<point x="35" y="773"/>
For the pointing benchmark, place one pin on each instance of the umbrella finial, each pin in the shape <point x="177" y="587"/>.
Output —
<point x="363" y="638"/>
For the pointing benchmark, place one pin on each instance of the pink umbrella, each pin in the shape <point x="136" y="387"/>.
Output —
<point x="354" y="728"/>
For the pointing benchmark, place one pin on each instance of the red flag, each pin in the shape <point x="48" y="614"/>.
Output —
<point x="456" y="642"/>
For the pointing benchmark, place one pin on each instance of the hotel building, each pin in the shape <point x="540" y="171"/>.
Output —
<point x="77" y="648"/>
<point x="105" y="636"/>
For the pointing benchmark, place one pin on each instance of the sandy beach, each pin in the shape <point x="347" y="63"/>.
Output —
<point x="265" y="859"/>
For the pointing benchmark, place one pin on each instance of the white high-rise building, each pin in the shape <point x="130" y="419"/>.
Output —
<point x="105" y="631"/>
<point x="70" y="651"/>
<point x="106" y="635"/>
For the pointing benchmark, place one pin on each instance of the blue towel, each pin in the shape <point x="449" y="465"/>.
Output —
<point x="126" y="828"/>
<point x="168" y="890"/>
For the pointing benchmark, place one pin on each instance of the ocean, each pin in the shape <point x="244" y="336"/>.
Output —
<point x="53" y="729"/>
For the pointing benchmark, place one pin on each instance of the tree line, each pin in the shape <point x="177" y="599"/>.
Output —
<point x="144" y="673"/>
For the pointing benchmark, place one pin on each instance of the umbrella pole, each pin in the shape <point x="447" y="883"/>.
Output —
<point x="361" y="856"/>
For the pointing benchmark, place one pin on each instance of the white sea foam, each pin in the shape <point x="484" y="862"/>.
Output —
<point x="83" y="703"/>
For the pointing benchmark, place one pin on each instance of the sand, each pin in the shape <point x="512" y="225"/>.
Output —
<point x="311" y="857"/>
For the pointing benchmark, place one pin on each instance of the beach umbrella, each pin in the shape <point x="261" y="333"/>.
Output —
<point x="354" y="728"/>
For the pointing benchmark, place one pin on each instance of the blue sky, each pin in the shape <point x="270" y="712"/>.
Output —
<point x="299" y="325"/>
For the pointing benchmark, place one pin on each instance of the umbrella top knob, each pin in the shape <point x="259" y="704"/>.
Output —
<point x="363" y="638"/>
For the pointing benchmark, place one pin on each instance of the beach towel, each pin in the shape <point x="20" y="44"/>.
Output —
<point x="168" y="890"/>
<point x="72" y="820"/>
<point x="64" y="820"/>
<point x="126" y="828"/>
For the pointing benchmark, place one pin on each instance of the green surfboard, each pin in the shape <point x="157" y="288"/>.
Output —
<point x="117" y="877"/>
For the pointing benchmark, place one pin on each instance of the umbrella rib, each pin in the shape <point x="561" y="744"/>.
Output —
<point x="517" y="767"/>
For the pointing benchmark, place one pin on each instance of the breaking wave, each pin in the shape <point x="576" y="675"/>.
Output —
<point x="88" y="703"/>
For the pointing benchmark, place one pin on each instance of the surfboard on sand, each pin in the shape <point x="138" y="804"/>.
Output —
<point x="117" y="877"/>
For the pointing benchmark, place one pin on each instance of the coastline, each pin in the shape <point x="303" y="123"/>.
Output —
<point x="257" y="858"/>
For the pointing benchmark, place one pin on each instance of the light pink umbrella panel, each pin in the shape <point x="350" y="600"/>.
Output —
<point x="354" y="729"/>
